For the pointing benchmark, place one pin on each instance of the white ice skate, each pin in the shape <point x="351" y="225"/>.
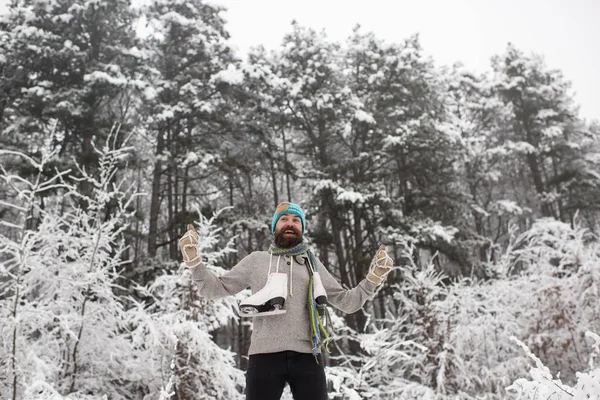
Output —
<point x="269" y="300"/>
<point x="320" y="293"/>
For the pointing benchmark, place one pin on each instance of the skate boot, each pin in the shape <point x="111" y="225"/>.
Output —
<point x="320" y="294"/>
<point x="267" y="301"/>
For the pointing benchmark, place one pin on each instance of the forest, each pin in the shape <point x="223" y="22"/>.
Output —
<point x="121" y="123"/>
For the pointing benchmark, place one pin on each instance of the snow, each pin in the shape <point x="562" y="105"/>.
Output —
<point x="520" y="147"/>
<point x="546" y="114"/>
<point x="176" y="18"/>
<point x="440" y="232"/>
<point x="150" y="93"/>
<point x="38" y="91"/>
<point x="391" y="140"/>
<point x="75" y="8"/>
<point x="101" y="76"/>
<point x="364" y="116"/>
<point x="306" y="103"/>
<point x="216" y="4"/>
<point x="351" y="197"/>
<point x="479" y="210"/>
<point x="510" y="207"/>
<point x="165" y="115"/>
<point x="29" y="31"/>
<point x="324" y="184"/>
<point x="552" y="132"/>
<point x="453" y="133"/>
<point x="343" y="195"/>
<point x="544" y="385"/>
<point x="190" y="158"/>
<point x="66" y="18"/>
<point x="231" y="75"/>
<point x="347" y="132"/>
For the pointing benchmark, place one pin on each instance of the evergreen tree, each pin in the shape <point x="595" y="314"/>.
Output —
<point x="67" y="73"/>
<point x="485" y="158"/>
<point x="187" y="60"/>
<point x="543" y="123"/>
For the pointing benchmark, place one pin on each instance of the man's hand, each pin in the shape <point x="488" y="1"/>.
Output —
<point x="188" y="244"/>
<point x="381" y="267"/>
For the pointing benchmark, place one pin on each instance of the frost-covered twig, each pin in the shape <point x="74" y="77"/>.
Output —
<point x="543" y="384"/>
<point x="166" y="393"/>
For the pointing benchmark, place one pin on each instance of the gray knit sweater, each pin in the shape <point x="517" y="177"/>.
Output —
<point x="289" y="331"/>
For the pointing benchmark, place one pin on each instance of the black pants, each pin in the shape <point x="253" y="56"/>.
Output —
<point x="267" y="374"/>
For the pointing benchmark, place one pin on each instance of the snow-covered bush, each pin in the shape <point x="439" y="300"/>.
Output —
<point x="542" y="385"/>
<point x="68" y="327"/>
<point x="407" y="353"/>
<point x="178" y="318"/>
<point x="60" y="258"/>
<point x="547" y="305"/>
<point x="447" y="339"/>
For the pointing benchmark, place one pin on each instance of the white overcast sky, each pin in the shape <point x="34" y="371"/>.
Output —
<point x="565" y="32"/>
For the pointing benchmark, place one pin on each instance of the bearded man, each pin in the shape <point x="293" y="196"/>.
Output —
<point x="290" y="289"/>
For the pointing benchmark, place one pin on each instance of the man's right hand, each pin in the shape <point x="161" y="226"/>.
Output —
<point x="188" y="244"/>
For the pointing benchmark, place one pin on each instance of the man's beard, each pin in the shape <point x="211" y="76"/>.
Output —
<point x="287" y="242"/>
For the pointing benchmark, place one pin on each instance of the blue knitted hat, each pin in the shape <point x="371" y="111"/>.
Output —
<point x="287" y="208"/>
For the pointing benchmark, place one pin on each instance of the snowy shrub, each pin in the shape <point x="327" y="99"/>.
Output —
<point x="550" y="247"/>
<point x="39" y="390"/>
<point x="178" y="318"/>
<point x="453" y="339"/>
<point x="543" y="385"/>
<point x="407" y="354"/>
<point x="344" y="381"/>
<point x="65" y="331"/>
<point x="547" y="306"/>
<point x="62" y="318"/>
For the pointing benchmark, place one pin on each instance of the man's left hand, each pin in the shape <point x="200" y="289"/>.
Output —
<point x="381" y="266"/>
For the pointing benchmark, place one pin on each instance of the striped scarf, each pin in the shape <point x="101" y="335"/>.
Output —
<point x="316" y="324"/>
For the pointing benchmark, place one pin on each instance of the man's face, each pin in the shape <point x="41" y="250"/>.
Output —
<point x="288" y="231"/>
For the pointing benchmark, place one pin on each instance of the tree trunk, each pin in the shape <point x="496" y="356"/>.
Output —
<point x="274" y="181"/>
<point x="170" y="206"/>
<point x="286" y="166"/>
<point x="536" y="175"/>
<point x="155" y="198"/>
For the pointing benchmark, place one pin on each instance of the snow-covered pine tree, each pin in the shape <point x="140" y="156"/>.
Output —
<point x="543" y="124"/>
<point x="68" y="72"/>
<point x="478" y="119"/>
<point x="184" y="110"/>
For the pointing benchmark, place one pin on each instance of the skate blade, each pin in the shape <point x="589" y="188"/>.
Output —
<point x="261" y="314"/>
